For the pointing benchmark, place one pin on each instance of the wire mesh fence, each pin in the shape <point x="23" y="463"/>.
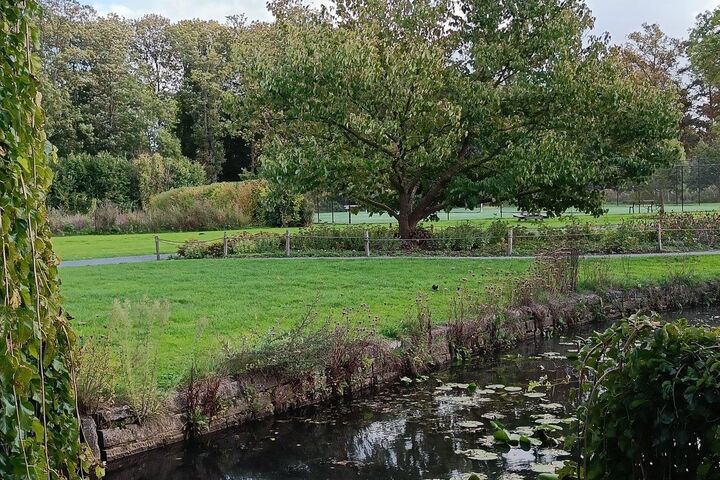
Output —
<point x="681" y="233"/>
<point x="694" y="187"/>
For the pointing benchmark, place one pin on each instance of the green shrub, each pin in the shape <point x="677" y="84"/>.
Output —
<point x="279" y="208"/>
<point x="228" y="205"/>
<point x="82" y="179"/>
<point x="651" y="400"/>
<point x="157" y="174"/>
<point x="214" y="206"/>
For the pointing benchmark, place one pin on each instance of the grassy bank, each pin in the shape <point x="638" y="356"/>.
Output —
<point x="237" y="297"/>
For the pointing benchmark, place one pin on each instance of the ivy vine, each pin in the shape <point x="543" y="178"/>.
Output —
<point x="39" y="434"/>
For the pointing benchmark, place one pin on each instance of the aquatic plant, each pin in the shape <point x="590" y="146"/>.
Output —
<point x="649" y="401"/>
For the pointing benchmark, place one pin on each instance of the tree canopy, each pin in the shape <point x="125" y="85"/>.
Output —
<point x="414" y="107"/>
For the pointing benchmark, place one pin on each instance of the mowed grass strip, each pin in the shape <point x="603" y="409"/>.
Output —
<point x="239" y="297"/>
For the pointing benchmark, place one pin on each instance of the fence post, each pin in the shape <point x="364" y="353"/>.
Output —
<point x="225" y="244"/>
<point x="287" y="243"/>
<point x="157" y="247"/>
<point x="367" y="243"/>
<point x="659" y="236"/>
<point x="510" y="242"/>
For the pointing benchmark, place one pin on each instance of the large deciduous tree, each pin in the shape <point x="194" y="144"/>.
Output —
<point x="414" y="107"/>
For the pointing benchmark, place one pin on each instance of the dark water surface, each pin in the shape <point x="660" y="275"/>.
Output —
<point x="405" y="433"/>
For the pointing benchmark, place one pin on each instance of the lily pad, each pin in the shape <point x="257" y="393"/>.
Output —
<point x="469" y="424"/>
<point x="554" y="452"/>
<point x="479" y="454"/>
<point x="513" y="389"/>
<point x="459" y="386"/>
<point x="469" y="476"/>
<point x="546" y="467"/>
<point x="497" y="386"/>
<point x="493" y="415"/>
<point x="535" y="394"/>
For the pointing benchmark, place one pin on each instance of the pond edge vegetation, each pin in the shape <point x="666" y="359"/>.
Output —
<point x="320" y="361"/>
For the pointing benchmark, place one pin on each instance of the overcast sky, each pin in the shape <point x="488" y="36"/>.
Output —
<point x="619" y="17"/>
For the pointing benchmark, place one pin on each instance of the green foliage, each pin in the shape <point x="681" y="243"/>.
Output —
<point x="417" y="118"/>
<point x="332" y="352"/>
<point x="651" y="395"/>
<point x="279" y="208"/>
<point x="704" y="47"/>
<point x="94" y="376"/>
<point x="133" y="332"/>
<point x="214" y="206"/>
<point x="82" y="179"/>
<point x="202" y="51"/>
<point x="39" y="437"/>
<point x="157" y="174"/>
<point x="97" y="100"/>
<point x="228" y="205"/>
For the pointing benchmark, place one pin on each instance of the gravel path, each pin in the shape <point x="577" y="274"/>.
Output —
<point x="151" y="258"/>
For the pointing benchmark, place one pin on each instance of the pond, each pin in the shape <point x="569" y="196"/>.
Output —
<point x="434" y="429"/>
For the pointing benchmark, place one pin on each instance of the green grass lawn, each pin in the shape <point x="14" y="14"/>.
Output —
<point x="242" y="296"/>
<point x="77" y="247"/>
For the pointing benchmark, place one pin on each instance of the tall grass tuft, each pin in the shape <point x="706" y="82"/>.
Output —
<point x="134" y="331"/>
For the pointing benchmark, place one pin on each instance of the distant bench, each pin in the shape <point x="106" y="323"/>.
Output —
<point x="648" y="205"/>
<point x="525" y="216"/>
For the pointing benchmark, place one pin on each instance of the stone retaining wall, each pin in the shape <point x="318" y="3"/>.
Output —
<point x="113" y="434"/>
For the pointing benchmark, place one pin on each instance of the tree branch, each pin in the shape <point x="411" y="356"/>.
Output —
<point x="391" y="211"/>
<point x="353" y="134"/>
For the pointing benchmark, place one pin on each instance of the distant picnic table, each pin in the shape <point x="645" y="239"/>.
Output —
<point x="648" y="205"/>
<point x="524" y="216"/>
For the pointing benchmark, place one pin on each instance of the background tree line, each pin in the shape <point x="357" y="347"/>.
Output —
<point x="689" y="67"/>
<point x="117" y="89"/>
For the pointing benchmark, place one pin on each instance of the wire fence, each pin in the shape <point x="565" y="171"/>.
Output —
<point x="694" y="187"/>
<point x="603" y="239"/>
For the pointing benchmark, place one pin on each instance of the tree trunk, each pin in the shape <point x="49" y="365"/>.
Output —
<point x="406" y="227"/>
<point x="405" y="223"/>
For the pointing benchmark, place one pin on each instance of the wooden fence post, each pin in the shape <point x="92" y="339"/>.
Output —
<point x="287" y="243"/>
<point x="225" y="244"/>
<point x="367" y="243"/>
<point x="510" y="242"/>
<point x="659" y="236"/>
<point x="157" y="247"/>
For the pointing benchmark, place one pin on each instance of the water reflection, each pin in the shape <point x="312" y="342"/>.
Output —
<point x="406" y="433"/>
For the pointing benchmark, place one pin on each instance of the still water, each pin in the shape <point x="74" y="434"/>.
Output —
<point x="428" y="430"/>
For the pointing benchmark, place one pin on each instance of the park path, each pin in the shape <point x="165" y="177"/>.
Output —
<point x="150" y="258"/>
